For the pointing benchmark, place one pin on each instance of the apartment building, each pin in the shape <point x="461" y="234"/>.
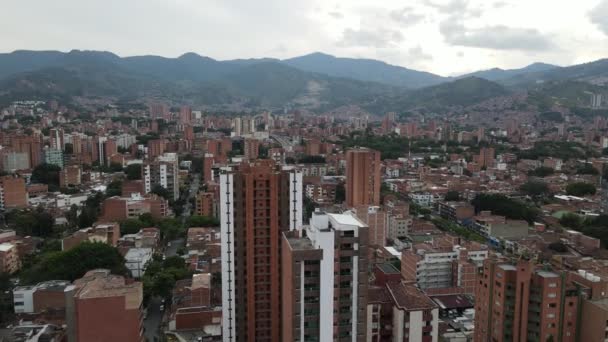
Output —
<point x="164" y="171"/>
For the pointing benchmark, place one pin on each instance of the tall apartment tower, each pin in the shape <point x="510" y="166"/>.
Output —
<point x="258" y="201"/>
<point x="516" y="302"/>
<point x="324" y="280"/>
<point x="164" y="171"/>
<point x="362" y="177"/>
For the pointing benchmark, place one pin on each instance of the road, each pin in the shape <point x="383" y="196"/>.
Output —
<point x="153" y="320"/>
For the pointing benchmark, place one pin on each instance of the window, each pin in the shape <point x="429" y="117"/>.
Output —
<point x="552" y="284"/>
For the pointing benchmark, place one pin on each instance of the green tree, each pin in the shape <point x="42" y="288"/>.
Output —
<point x="74" y="263"/>
<point x="161" y="191"/>
<point x="580" y="189"/>
<point x="131" y="226"/>
<point x="542" y="172"/>
<point x="202" y="221"/>
<point x="535" y="188"/>
<point x="114" y="188"/>
<point x="452" y="196"/>
<point x="340" y="193"/>
<point x="587" y="169"/>
<point x="133" y="171"/>
<point x="46" y="174"/>
<point x="505" y="206"/>
<point x="571" y="220"/>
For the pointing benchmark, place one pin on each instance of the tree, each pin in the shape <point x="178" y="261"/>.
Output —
<point x="116" y="167"/>
<point x="535" y="188"/>
<point x="74" y="263"/>
<point x="161" y="191"/>
<point x="340" y="193"/>
<point x="133" y="171"/>
<point x="542" y="172"/>
<point x="36" y="222"/>
<point x="587" y="169"/>
<point x="558" y="247"/>
<point x="571" y="220"/>
<point x="202" y="221"/>
<point x="114" y="188"/>
<point x="452" y="196"/>
<point x="46" y="174"/>
<point x="131" y="226"/>
<point x="505" y="206"/>
<point x="580" y="189"/>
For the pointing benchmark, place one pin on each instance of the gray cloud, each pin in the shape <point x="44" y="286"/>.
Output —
<point x="460" y="8"/>
<point x="599" y="16"/>
<point x="406" y="16"/>
<point x="417" y="54"/>
<point x="498" y="37"/>
<point x="380" y="38"/>
<point x="336" y="15"/>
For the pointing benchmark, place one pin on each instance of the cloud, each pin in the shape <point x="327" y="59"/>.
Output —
<point x="500" y="4"/>
<point x="459" y="8"/>
<point x="417" y="54"/>
<point x="406" y="16"/>
<point x="336" y="15"/>
<point x="497" y="37"/>
<point x="599" y="16"/>
<point x="380" y="38"/>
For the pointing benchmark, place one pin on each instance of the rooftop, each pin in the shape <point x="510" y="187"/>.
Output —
<point x="409" y="297"/>
<point x="346" y="220"/>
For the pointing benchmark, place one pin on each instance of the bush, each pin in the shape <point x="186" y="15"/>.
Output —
<point x="580" y="189"/>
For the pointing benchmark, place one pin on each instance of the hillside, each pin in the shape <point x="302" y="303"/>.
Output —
<point x="364" y="70"/>
<point x="497" y="74"/>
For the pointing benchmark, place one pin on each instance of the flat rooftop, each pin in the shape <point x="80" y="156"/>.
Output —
<point x="409" y="297"/>
<point x="346" y="220"/>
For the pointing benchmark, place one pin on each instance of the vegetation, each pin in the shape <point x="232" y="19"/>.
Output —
<point x="161" y="275"/>
<point x="32" y="222"/>
<point x="459" y="230"/>
<point x="587" y="169"/>
<point x="202" y="221"/>
<point x="535" y="188"/>
<point x="580" y="189"/>
<point x="74" y="263"/>
<point x="312" y="160"/>
<point x="596" y="227"/>
<point x="133" y="171"/>
<point x="390" y="146"/>
<point x="505" y="206"/>
<point x="542" y="171"/>
<point x="47" y="174"/>
<point x="558" y="149"/>
<point x="452" y="196"/>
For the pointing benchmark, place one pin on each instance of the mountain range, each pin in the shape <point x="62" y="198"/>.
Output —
<point x="316" y="81"/>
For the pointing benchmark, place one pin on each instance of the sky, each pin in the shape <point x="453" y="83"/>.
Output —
<point x="446" y="37"/>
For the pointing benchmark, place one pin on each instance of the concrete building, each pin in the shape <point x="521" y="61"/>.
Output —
<point x="70" y="176"/>
<point x="108" y="233"/>
<point x="164" y="171"/>
<point x="258" y="201"/>
<point x="443" y="264"/>
<point x="324" y="280"/>
<point x="104" y="307"/>
<point x="459" y="212"/>
<point x="53" y="157"/>
<point x="362" y="177"/>
<point x="48" y="295"/>
<point x="377" y="222"/>
<point x="117" y="209"/>
<point x="13" y="193"/>
<point x="13" y="161"/>
<point x="499" y="226"/>
<point x="136" y="260"/>
<point x="9" y="258"/>
<point x="251" y="148"/>
<point x="206" y="204"/>
<point x="415" y="316"/>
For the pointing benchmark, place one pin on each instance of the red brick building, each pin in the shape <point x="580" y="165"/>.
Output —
<point x="362" y="177"/>
<point x="105" y="307"/>
<point x="13" y="193"/>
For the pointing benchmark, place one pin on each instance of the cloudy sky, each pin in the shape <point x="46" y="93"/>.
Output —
<point x="441" y="36"/>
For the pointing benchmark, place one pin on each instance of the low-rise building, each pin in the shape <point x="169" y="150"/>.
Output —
<point x="137" y="259"/>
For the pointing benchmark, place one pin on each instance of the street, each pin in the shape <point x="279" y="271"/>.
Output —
<point x="153" y="320"/>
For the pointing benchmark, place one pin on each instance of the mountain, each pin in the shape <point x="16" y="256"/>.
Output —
<point x="593" y="72"/>
<point x="189" y="79"/>
<point x="364" y="70"/>
<point x="497" y="74"/>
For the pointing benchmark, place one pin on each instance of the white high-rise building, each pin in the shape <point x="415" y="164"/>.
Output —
<point x="164" y="171"/>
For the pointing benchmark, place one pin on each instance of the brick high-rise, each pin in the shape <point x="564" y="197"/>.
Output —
<point x="362" y="177"/>
<point x="13" y="193"/>
<point x="258" y="202"/>
<point x="518" y="302"/>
